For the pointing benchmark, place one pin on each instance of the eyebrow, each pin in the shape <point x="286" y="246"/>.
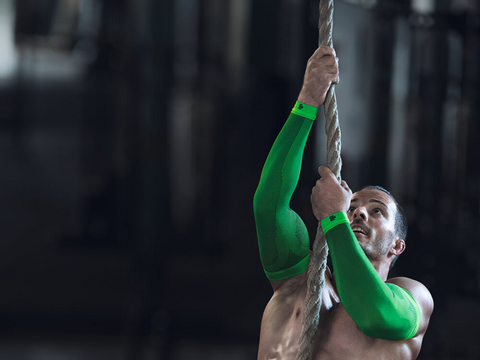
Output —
<point x="372" y="201"/>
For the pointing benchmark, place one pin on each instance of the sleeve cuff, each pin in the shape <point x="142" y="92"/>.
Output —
<point x="307" y="111"/>
<point x="333" y="220"/>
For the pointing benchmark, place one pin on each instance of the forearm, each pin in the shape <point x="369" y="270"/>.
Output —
<point x="380" y="310"/>
<point x="282" y="236"/>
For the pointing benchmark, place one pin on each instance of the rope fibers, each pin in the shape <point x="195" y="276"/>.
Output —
<point x="316" y="275"/>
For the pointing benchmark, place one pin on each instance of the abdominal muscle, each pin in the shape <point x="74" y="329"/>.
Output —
<point x="338" y="337"/>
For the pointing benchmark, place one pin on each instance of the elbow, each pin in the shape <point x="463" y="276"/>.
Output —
<point x="373" y="326"/>
<point x="386" y="328"/>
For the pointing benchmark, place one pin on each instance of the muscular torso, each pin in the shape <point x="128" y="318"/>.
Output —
<point x="338" y="337"/>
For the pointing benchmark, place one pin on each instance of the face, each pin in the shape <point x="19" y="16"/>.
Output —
<point x="372" y="219"/>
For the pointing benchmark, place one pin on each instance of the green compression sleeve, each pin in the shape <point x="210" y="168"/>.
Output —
<point x="381" y="310"/>
<point x="282" y="236"/>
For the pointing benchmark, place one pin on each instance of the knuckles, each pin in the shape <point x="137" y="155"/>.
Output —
<point x="324" y="50"/>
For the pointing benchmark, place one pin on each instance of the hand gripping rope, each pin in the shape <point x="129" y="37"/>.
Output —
<point x="316" y="276"/>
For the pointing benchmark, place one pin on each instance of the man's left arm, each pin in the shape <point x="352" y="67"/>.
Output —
<point x="396" y="310"/>
<point x="421" y="295"/>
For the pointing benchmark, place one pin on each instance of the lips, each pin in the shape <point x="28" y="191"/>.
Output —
<point x="359" y="229"/>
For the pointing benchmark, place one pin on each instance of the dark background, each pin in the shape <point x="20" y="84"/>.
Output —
<point x="132" y="137"/>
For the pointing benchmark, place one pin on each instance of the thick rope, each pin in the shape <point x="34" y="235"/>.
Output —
<point x="318" y="263"/>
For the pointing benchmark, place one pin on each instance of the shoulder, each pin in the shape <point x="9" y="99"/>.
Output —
<point x="422" y="296"/>
<point x="419" y="291"/>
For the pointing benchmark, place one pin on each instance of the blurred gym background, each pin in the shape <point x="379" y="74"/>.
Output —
<point x="132" y="137"/>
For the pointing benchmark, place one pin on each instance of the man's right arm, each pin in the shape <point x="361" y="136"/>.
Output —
<point x="282" y="236"/>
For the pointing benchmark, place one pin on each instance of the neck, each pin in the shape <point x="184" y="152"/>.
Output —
<point x="382" y="268"/>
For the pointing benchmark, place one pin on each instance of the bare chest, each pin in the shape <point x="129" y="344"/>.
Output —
<point x="338" y="337"/>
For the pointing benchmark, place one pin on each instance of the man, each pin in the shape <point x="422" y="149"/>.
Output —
<point x="363" y="315"/>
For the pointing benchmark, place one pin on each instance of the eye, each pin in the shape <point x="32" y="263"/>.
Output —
<point x="377" y="211"/>
<point x="350" y="209"/>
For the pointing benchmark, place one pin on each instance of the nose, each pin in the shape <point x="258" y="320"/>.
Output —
<point x="360" y="212"/>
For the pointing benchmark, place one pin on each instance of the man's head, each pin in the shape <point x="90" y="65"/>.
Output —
<point x="379" y="223"/>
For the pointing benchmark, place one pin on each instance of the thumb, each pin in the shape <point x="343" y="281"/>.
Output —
<point x="325" y="171"/>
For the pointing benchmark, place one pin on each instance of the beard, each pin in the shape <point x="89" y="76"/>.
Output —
<point x="377" y="248"/>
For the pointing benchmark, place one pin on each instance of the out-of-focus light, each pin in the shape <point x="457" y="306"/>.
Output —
<point x="423" y="6"/>
<point x="8" y="54"/>
<point x="365" y="3"/>
<point x="459" y="6"/>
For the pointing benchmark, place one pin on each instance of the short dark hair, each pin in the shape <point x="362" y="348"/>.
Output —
<point x="401" y="225"/>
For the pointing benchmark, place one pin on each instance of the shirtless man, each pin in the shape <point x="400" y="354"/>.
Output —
<point x="363" y="315"/>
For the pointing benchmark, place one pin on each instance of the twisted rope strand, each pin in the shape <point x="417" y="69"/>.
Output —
<point x="318" y="264"/>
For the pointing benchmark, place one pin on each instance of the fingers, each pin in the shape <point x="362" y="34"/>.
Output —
<point x="333" y="78"/>
<point x="320" y="73"/>
<point x="325" y="172"/>
<point x="331" y="61"/>
<point x="332" y="65"/>
<point x="324" y="50"/>
<point x="327" y="54"/>
<point x="337" y="80"/>
<point x="345" y="186"/>
<point x="325" y="60"/>
<point x="333" y="71"/>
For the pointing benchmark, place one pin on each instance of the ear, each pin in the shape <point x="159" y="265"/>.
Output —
<point x="398" y="247"/>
